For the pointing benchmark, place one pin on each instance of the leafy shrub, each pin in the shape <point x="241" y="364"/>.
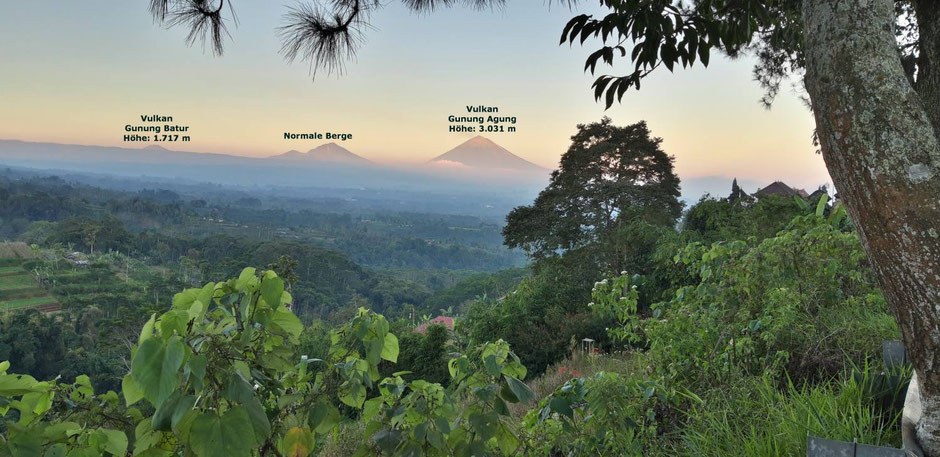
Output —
<point x="803" y="301"/>
<point x="605" y="414"/>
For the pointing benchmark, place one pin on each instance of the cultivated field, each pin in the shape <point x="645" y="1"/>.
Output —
<point x="18" y="287"/>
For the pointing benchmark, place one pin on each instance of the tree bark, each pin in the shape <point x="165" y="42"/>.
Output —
<point x="882" y="152"/>
<point x="928" y="62"/>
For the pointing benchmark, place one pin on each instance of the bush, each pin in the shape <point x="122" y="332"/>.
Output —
<point x="804" y="301"/>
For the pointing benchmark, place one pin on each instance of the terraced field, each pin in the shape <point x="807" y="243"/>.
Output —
<point x="18" y="287"/>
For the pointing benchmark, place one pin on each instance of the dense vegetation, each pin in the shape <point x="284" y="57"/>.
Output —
<point x="736" y="329"/>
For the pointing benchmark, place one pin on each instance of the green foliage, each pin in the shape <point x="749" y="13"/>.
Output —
<point x="667" y="34"/>
<point x="425" y="356"/>
<point x="605" y="414"/>
<point x="480" y="286"/>
<point x="610" y="176"/>
<point x="617" y="299"/>
<point x="800" y="301"/>
<point x="712" y="220"/>
<point x="468" y="418"/>
<point x="35" y="343"/>
<point x="542" y="316"/>
<point x="91" y="430"/>
<point x="219" y="372"/>
<point x="761" y="322"/>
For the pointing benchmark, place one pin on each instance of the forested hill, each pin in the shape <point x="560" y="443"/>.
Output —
<point x="376" y="239"/>
<point x="385" y="259"/>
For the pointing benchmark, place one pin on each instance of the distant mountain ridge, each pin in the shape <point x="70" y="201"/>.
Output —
<point x="156" y="161"/>
<point x="483" y="153"/>
<point x="327" y="166"/>
<point x="330" y="152"/>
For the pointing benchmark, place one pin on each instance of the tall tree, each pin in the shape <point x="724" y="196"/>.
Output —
<point x="610" y="177"/>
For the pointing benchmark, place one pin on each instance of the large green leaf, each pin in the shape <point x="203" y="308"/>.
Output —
<point x="506" y="440"/>
<point x="116" y="443"/>
<point x="147" y="441"/>
<point x="156" y="366"/>
<point x="271" y="290"/>
<point x="285" y="320"/>
<point x="147" y="331"/>
<point x="390" y="348"/>
<point x="185" y="299"/>
<point x="821" y="205"/>
<point x="172" y="410"/>
<point x="247" y="280"/>
<point x="522" y="392"/>
<point x="174" y="321"/>
<point x="230" y="435"/>
<point x="33" y="404"/>
<point x="24" y="445"/>
<point x="196" y="366"/>
<point x="238" y="391"/>
<point x="16" y="384"/>
<point x="132" y="391"/>
<point x="323" y="417"/>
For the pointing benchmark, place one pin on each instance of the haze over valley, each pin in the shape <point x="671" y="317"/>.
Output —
<point x="476" y="176"/>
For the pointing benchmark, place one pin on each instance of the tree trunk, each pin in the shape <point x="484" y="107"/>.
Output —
<point x="882" y="152"/>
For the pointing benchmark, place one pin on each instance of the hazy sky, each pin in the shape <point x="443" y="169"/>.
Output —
<point x="77" y="72"/>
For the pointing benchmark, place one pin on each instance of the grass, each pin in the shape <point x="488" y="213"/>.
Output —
<point x="22" y="292"/>
<point x="25" y="302"/>
<point x="757" y="418"/>
<point x="18" y="287"/>
<point x="17" y="281"/>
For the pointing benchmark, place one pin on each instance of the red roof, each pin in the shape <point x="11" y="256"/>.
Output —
<point x="443" y="320"/>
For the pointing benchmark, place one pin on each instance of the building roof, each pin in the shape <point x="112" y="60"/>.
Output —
<point x="779" y="188"/>
<point x="443" y="320"/>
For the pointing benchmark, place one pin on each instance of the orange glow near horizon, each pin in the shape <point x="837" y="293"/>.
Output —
<point x="74" y="85"/>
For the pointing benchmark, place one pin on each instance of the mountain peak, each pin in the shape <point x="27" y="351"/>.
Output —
<point x="484" y="153"/>
<point x="329" y="152"/>
<point x="479" y="139"/>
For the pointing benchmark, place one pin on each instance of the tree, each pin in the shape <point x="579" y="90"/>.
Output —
<point x="90" y="236"/>
<point x="610" y="178"/>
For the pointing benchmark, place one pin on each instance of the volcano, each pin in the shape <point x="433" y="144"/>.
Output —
<point x="482" y="153"/>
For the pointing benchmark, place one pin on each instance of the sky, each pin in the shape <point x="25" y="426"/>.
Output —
<point x="78" y="72"/>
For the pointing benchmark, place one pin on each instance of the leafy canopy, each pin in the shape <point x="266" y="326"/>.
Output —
<point x="610" y="176"/>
